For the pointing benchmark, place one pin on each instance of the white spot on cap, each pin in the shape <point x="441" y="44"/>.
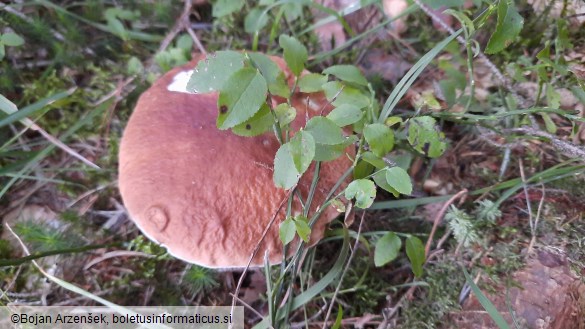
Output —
<point x="180" y="81"/>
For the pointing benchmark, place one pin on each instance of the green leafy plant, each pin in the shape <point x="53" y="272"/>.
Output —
<point x="9" y="40"/>
<point x="247" y="83"/>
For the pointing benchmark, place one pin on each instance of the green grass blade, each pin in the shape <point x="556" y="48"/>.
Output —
<point x="46" y="151"/>
<point x="485" y="302"/>
<point x="327" y="54"/>
<point x="37" y="106"/>
<point x="406" y="203"/>
<point x="136" y="35"/>
<point x="411" y="76"/>
<point x="318" y="287"/>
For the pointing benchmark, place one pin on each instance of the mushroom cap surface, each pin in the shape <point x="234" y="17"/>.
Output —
<point x="205" y="194"/>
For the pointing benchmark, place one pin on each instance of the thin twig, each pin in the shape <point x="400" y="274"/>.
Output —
<point x="439" y="217"/>
<point x="246" y="305"/>
<point x="536" y="220"/>
<point x="196" y="40"/>
<point x="181" y="24"/>
<point x="567" y="148"/>
<point x="526" y="196"/>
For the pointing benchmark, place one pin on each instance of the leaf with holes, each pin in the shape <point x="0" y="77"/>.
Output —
<point x="348" y="73"/>
<point x="302" y="148"/>
<point x="241" y="97"/>
<point x="363" y="191"/>
<point x="258" y="124"/>
<point x="211" y="73"/>
<point x="295" y="54"/>
<point x="387" y="249"/>
<point x="425" y="137"/>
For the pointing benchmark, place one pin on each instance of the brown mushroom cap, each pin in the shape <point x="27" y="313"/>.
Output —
<point x="205" y="194"/>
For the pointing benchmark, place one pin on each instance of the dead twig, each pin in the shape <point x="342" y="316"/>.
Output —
<point x="438" y="218"/>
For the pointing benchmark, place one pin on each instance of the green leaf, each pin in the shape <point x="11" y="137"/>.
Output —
<point x="255" y="21"/>
<point x="2" y="51"/>
<point x="550" y="125"/>
<point x="117" y="28"/>
<point x="348" y="73"/>
<point x="404" y="85"/>
<point x="437" y="4"/>
<point x="373" y="159"/>
<point x="380" y="180"/>
<point x="287" y="231"/>
<point x="303" y="228"/>
<point x="507" y="29"/>
<point x="241" y="97"/>
<point x="393" y="120"/>
<point x="258" y="124"/>
<point x="553" y="98"/>
<point x="339" y="94"/>
<point x="345" y="114"/>
<point x="380" y="138"/>
<point x="399" y="180"/>
<point x="185" y="42"/>
<point x="134" y="66"/>
<point x="387" y="249"/>
<point x="415" y="250"/>
<point x="272" y="73"/>
<point x="312" y="82"/>
<point x="11" y="39"/>
<point x="424" y="137"/>
<point x="325" y="131"/>
<point x="295" y="54"/>
<point x="331" y="152"/>
<point x="302" y="148"/>
<point x="285" y="114"/>
<point x="213" y="72"/>
<point x="338" y="319"/>
<point x="285" y="172"/>
<point x="363" y="191"/>
<point x="225" y="7"/>
<point x="463" y="19"/>
<point x="293" y="10"/>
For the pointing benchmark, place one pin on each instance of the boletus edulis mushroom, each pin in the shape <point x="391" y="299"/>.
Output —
<point x="207" y="194"/>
